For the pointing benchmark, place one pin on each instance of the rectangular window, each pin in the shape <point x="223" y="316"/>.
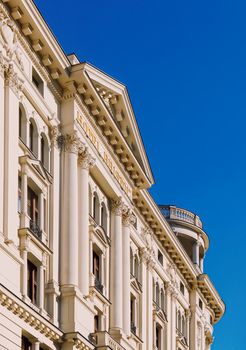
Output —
<point x="32" y="205"/>
<point x="32" y="285"/>
<point x="25" y="344"/>
<point x="200" y="304"/>
<point x="96" y="265"/>
<point x="133" y="314"/>
<point x="37" y="81"/>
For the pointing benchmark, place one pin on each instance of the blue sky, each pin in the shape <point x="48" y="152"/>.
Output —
<point x="184" y="63"/>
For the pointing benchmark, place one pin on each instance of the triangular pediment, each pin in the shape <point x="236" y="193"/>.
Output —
<point x="115" y="97"/>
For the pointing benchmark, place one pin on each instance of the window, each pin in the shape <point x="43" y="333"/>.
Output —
<point x="31" y="137"/>
<point x="181" y="287"/>
<point x="96" y="208"/>
<point x="97" y="271"/>
<point x="32" y="285"/>
<point x="157" y="296"/>
<point x="25" y="344"/>
<point x="136" y="268"/>
<point x="183" y="329"/>
<point x="104" y="223"/>
<point x="131" y="261"/>
<point x="158" y="337"/>
<point x="133" y="314"/>
<point x="44" y="151"/>
<point x="33" y="212"/>
<point x="160" y="257"/>
<point x="162" y="300"/>
<point x="19" y="194"/>
<point x="200" y="304"/>
<point x="20" y="122"/>
<point x="37" y="81"/>
<point x="96" y="323"/>
<point x="32" y="205"/>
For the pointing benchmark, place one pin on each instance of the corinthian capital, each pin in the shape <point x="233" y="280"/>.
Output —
<point x="12" y="80"/>
<point x="72" y="142"/>
<point x="127" y="216"/>
<point x="85" y="159"/>
<point x="117" y="206"/>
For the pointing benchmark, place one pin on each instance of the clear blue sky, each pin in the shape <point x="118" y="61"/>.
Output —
<point x="184" y="63"/>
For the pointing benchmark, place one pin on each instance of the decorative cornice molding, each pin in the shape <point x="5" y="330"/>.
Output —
<point x="18" y="308"/>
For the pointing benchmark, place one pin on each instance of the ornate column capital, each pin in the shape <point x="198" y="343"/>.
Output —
<point x="85" y="159"/>
<point x="12" y="80"/>
<point x="117" y="206"/>
<point x="54" y="133"/>
<point x="128" y="218"/>
<point x="72" y="143"/>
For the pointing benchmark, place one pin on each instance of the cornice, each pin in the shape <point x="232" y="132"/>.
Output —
<point x="35" y="59"/>
<point x="28" y="315"/>
<point x="155" y="220"/>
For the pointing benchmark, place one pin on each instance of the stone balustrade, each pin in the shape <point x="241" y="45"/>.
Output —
<point x="103" y="339"/>
<point x="174" y="213"/>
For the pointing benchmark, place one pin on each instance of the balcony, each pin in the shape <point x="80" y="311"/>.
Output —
<point x="102" y="339"/>
<point x="35" y="229"/>
<point x="171" y="212"/>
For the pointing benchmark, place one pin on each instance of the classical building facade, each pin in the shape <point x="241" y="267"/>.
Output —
<point x="87" y="258"/>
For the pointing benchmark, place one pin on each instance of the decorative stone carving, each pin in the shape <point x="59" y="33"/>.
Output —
<point x="117" y="206"/>
<point x="72" y="142"/>
<point x="54" y="133"/>
<point x="85" y="159"/>
<point x="8" y="39"/>
<point x="12" y="80"/>
<point x="127" y="217"/>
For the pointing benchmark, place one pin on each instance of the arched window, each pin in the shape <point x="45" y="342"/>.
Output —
<point x="157" y="291"/>
<point x="96" y="208"/>
<point x="131" y="262"/>
<point x="33" y="138"/>
<point x="104" y="219"/>
<point x="162" y="300"/>
<point x="22" y="123"/>
<point x="44" y="156"/>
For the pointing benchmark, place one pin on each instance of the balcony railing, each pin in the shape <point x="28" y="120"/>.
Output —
<point x="98" y="285"/>
<point x="174" y="213"/>
<point x="36" y="230"/>
<point x="133" y="328"/>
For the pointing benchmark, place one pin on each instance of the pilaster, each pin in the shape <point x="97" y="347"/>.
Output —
<point x="85" y="162"/>
<point x="116" y="309"/>
<point x="127" y="220"/>
<point x="12" y="89"/>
